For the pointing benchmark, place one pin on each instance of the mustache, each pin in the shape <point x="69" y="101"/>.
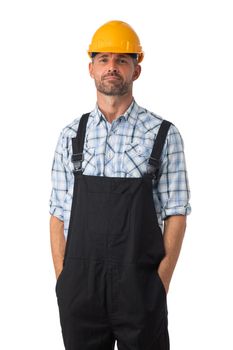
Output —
<point x="112" y="74"/>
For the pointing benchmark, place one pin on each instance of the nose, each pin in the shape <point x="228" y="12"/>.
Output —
<point x="112" y="66"/>
<point x="112" y="69"/>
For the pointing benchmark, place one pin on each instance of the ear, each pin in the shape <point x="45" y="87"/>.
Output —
<point x="91" y="69"/>
<point x="137" y="72"/>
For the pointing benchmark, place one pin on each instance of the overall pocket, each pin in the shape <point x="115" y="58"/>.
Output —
<point x="161" y="283"/>
<point x="59" y="280"/>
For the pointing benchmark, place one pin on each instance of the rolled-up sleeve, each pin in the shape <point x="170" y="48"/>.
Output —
<point x="59" y="182"/>
<point x="173" y="187"/>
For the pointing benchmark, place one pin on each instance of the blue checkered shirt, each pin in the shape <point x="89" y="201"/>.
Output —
<point x="122" y="149"/>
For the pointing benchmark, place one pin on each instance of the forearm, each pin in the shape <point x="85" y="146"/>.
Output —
<point x="174" y="229"/>
<point x="58" y="243"/>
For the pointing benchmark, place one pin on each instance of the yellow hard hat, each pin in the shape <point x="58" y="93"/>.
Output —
<point x="116" y="37"/>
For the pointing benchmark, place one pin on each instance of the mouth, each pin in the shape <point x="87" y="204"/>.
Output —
<point x="111" y="77"/>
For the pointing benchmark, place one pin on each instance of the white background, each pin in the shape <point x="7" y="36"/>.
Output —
<point x="44" y="84"/>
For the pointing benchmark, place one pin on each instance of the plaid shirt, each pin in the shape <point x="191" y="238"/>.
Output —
<point x="122" y="149"/>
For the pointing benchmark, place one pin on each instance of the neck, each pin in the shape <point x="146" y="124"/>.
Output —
<point x="113" y="106"/>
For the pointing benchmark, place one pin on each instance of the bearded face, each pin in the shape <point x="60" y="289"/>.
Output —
<point x="114" y="73"/>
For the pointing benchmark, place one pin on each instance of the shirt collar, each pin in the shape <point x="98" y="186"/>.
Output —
<point x="130" y="114"/>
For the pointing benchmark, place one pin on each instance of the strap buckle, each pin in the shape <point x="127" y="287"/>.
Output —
<point x="77" y="159"/>
<point x="153" y="167"/>
<point x="155" y="162"/>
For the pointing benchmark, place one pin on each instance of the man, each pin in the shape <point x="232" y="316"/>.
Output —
<point x="118" y="173"/>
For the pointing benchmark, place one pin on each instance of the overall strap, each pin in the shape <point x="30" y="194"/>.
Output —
<point x="78" y="143"/>
<point x="155" y="157"/>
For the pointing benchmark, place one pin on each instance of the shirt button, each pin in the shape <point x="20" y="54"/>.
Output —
<point x="109" y="155"/>
<point x="139" y="150"/>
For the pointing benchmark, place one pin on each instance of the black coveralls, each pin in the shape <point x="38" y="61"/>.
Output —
<point x="109" y="289"/>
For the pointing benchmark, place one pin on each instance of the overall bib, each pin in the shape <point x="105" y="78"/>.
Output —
<point x="109" y="289"/>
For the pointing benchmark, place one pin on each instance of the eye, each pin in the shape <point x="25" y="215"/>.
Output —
<point x="103" y="60"/>
<point x="122" y="60"/>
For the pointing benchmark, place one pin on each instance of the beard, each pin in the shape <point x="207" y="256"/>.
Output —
<point x="116" y="87"/>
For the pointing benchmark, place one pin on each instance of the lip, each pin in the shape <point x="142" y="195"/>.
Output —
<point x="112" y="77"/>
